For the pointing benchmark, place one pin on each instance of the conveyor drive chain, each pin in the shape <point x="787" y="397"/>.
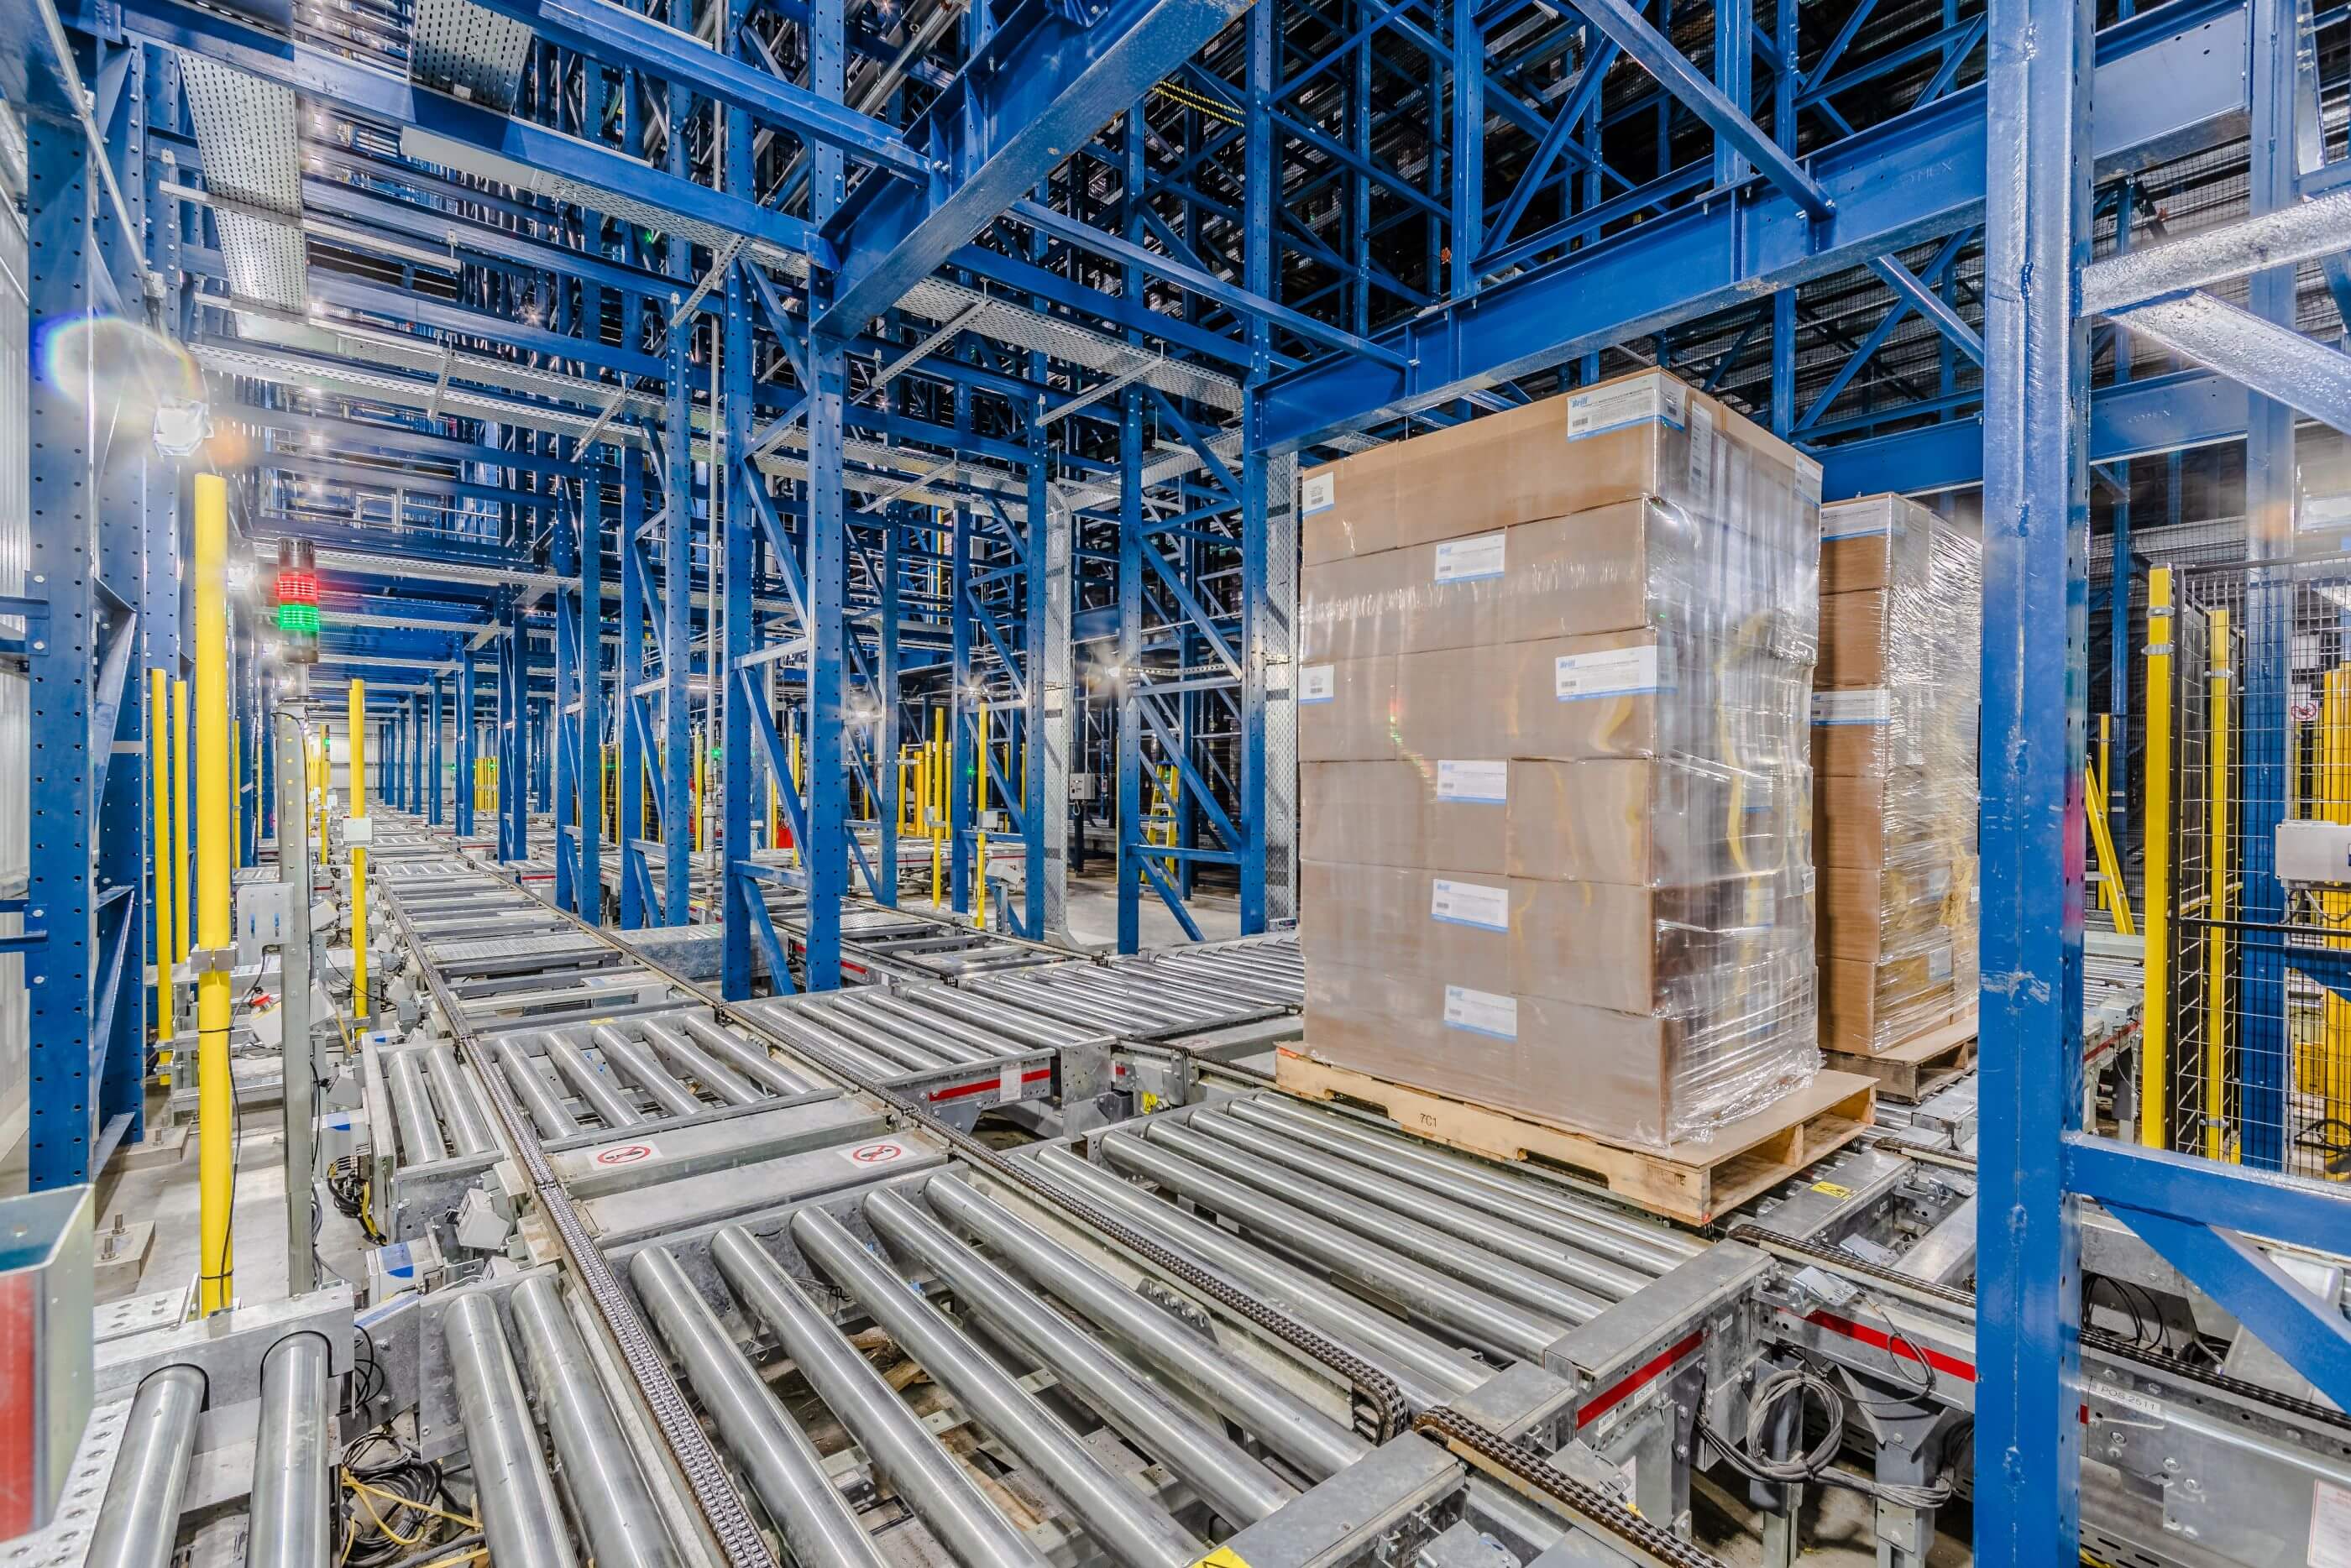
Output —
<point x="721" y="1505"/>
<point x="1374" y="1387"/>
<point x="1511" y="1461"/>
<point x="1493" y="1452"/>
<point x="2098" y="1339"/>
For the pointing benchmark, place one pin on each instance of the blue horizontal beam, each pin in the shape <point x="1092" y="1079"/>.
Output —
<point x="1042" y="83"/>
<point x="619" y="37"/>
<point x="2269" y="1204"/>
<point x="1910" y="179"/>
<point x="2133" y="418"/>
<point x="1070" y="232"/>
<point x="384" y="99"/>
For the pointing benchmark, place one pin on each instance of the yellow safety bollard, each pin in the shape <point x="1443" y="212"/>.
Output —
<point x="215" y="1095"/>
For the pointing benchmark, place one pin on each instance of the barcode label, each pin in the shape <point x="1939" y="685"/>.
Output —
<point x="1469" y="904"/>
<point x="1609" y="672"/>
<point x="1466" y="560"/>
<point x="1479" y="782"/>
<point x="1481" y="1012"/>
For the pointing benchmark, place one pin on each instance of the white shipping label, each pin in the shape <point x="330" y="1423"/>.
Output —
<point x="1938" y="882"/>
<point x="1469" y="904"/>
<point x="1481" y="1012"/>
<point x="1478" y="783"/>
<point x="1466" y="560"/>
<point x="1609" y="672"/>
<point x="1632" y="402"/>
<point x="1317" y="492"/>
<point x="1875" y="706"/>
<point x="2330" y="1525"/>
<point x="1701" y="456"/>
<point x="1318" y="682"/>
<point x="1939" y="965"/>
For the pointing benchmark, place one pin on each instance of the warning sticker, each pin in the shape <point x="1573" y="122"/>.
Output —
<point x="625" y="1153"/>
<point x="2330" y="1525"/>
<point x="889" y="1151"/>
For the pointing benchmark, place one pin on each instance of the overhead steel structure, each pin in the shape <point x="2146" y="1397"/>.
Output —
<point x="745" y="392"/>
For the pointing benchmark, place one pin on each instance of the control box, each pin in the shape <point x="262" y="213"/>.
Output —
<point x="2315" y="854"/>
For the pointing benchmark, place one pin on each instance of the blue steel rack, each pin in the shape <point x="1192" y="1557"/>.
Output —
<point x="892" y="359"/>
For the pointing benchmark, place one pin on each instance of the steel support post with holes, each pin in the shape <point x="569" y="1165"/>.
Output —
<point x="101" y="536"/>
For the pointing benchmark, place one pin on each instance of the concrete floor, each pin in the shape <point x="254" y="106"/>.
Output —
<point x="1093" y="910"/>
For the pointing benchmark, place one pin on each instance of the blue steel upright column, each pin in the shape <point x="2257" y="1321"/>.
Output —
<point x="466" y="744"/>
<point x="2036" y="546"/>
<point x="588" y="763"/>
<point x="433" y="780"/>
<point x="2272" y="487"/>
<point x="826" y="854"/>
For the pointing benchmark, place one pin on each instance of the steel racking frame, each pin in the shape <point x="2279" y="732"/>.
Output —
<point x="1015" y="323"/>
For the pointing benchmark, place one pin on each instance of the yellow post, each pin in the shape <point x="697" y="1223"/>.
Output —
<point x="357" y="811"/>
<point x="2215" y="894"/>
<point x="800" y="782"/>
<point x="216" y="1102"/>
<point x="979" y="903"/>
<point x="2102" y="840"/>
<point x="2324" y="1068"/>
<point x="938" y="802"/>
<point x="2099" y="785"/>
<point x="700" y="754"/>
<point x="2154" y="1058"/>
<point x="159" y="773"/>
<point x="182" y="845"/>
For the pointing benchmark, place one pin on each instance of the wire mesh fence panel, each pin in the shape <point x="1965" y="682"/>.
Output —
<point x="2258" y="947"/>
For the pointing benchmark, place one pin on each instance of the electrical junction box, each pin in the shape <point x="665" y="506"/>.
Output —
<point x="260" y="919"/>
<point x="1085" y="786"/>
<point x="2315" y="854"/>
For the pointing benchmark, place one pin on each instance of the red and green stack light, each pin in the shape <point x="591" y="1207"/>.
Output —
<point x="297" y="592"/>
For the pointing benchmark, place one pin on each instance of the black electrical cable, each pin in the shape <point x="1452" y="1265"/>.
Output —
<point x="1816" y="1465"/>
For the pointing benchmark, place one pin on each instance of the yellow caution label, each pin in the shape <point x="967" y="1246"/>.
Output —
<point x="1830" y="1189"/>
<point x="1222" y="1557"/>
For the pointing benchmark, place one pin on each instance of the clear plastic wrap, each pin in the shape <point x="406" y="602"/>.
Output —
<point x="1893" y="739"/>
<point x="1557" y="793"/>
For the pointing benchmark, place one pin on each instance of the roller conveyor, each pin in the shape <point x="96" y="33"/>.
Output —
<point x="1127" y="1328"/>
<point x="935" y="1045"/>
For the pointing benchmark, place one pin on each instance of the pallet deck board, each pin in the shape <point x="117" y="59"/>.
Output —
<point x="1918" y="1067"/>
<point x="1694" y="1181"/>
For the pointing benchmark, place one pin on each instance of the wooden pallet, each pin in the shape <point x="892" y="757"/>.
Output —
<point x="1919" y="1066"/>
<point x="1693" y="1180"/>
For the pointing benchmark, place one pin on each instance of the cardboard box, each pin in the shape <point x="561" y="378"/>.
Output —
<point x="1853" y="629"/>
<point x="1867" y="913"/>
<point x="1440" y="925"/>
<point x="1866" y="1008"/>
<point x="1648" y="433"/>
<point x="1852" y="734"/>
<point x="1433" y="596"/>
<point x="1872" y="543"/>
<point x="1346" y="710"/>
<point x="1428" y="814"/>
<point x="1618" y="1075"/>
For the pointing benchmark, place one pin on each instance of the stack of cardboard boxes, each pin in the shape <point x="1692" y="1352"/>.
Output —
<point x="1893" y="753"/>
<point x="1555" y="675"/>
